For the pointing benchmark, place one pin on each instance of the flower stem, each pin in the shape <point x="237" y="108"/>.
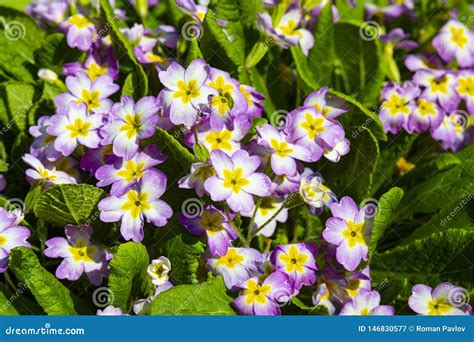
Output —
<point x="252" y="219"/>
<point x="234" y="227"/>
<point x="289" y="203"/>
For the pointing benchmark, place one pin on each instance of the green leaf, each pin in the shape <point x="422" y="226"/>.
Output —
<point x="55" y="52"/>
<point x="6" y="307"/>
<point x="53" y="296"/>
<point x="249" y="10"/>
<point x="441" y="201"/>
<point x="20" y="100"/>
<point x="217" y="49"/>
<point x="20" y="34"/>
<point x="128" y="279"/>
<point x="125" y="50"/>
<point x="201" y="152"/>
<point x="348" y="12"/>
<point x="352" y="175"/>
<point x="256" y="54"/>
<point x="173" y="148"/>
<point x="429" y="168"/>
<point x="68" y="204"/>
<point x="441" y="256"/>
<point x="359" y="115"/>
<point x="390" y="152"/>
<point x="386" y="208"/>
<point x="209" y="298"/>
<point x="193" y="51"/>
<point x="342" y="59"/>
<point x="316" y="68"/>
<point x="182" y="249"/>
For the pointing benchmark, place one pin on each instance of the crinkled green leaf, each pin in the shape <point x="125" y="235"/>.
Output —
<point x="441" y="256"/>
<point x="209" y="298"/>
<point x="6" y="307"/>
<point x="342" y="59"/>
<point x="68" y="204"/>
<point x="20" y="100"/>
<point x="182" y="249"/>
<point x="216" y="48"/>
<point x="55" y="52"/>
<point x="125" y="50"/>
<point x="386" y="208"/>
<point x="173" y="148"/>
<point x="359" y="115"/>
<point x="128" y="279"/>
<point x="390" y="152"/>
<point x="53" y="296"/>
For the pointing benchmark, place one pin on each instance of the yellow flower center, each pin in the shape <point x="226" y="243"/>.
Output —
<point x="267" y="206"/>
<point x="426" y="108"/>
<point x="159" y="269"/>
<point x="256" y="293"/>
<point x="155" y="58"/>
<point x="294" y="261"/>
<point x="91" y="99"/>
<point x="44" y="174"/>
<point x="132" y="125"/>
<point x="219" y="140"/>
<point x="365" y="312"/>
<point x="313" y="126"/>
<point x="94" y="71"/>
<point x="396" y="104"/>
<point x="438" y="307"/>
<point x="353" y="287"/>
<point x="323" y="111"/>
<point x="204" y="172"/>
<point x="187" y="91"/>
<point x="211" y="222"/>
<point x="231" y="259"/>
<point x="458" y="37"/>
<point x="79" y="21"/>
<point x="290" y="28"/>
<point x="222" y="87"/>
<point x="78" y="128"/>
<point x="234" y="180"/>
<point x="132" y="171"/>
<point x="247" y="95"/>
<point x="137" y="203"/>
<point x="3" y="240"/>
<point x="440" y="85"/>
<point x="354" y="233"/>
<point x="281" y="148"/>
<point x="404" y="166"/>
<point x="466" y="86"/>
<point x="82" y="252"/>
<point x="221" y="103"/>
